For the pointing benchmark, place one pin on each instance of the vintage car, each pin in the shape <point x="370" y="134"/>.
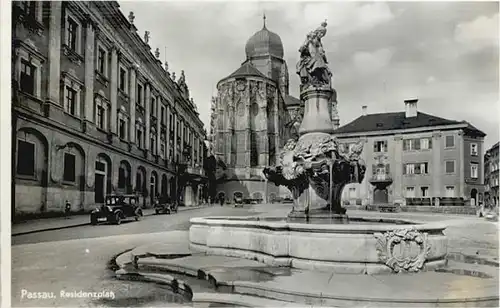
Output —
<point x="117" y="208"/>
<point x="238" y="199"/>
<point x="165" y="207"/>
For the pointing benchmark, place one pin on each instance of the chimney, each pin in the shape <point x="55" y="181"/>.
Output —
<point x="411" y="108"/>
<point x="364" y="110"/>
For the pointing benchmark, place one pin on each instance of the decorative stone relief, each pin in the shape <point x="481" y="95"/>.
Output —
<point x="240" y="109"/>
<point x="403" y="249"/>
<point x="241" y="85"/>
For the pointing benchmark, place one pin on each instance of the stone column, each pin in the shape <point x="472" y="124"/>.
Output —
<point x="89" y="73"/>
<point x="182" y="137"/>
<point x="158" y="125"/>
<point x="316" y="117"/>
<point x="167" y="123"/>
<point x="397" y="180"/>
<point x="114" y="89"/>
<point x="436" y="166"/>
<point x="175" y="134"/>
<point x="54" y="55"/>
<point x="132" y="102"/>
<point x="461" y="165"/>
<point x="147" y="116"/>
<point x="191" y="140"/>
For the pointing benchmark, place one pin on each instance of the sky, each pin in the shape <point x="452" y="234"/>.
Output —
<point x="443" y="53"/>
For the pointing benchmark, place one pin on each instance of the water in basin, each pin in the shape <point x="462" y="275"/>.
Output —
<point x="329" y="220"/>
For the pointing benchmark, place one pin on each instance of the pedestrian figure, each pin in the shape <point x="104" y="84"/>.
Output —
<point x="67" y="209"/>
<point x="221" y="200"/>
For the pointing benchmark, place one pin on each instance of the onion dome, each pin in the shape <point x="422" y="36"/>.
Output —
<point x="264" y="43"/>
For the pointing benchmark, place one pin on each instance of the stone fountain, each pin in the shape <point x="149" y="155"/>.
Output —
<point x="316" y="161"/>
<point x="343" y="261"/>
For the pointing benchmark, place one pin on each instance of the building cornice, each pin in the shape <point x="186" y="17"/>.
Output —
<point x="401" y="131"/>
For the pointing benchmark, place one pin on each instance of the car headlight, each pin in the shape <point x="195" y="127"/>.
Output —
<point x="96" y="209"/>
<point x="109" y="208"/>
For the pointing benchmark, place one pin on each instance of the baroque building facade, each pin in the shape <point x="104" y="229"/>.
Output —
<point x="253" y="115"/>
<point x="414" y="158"/>
<point x="95" y="111"/>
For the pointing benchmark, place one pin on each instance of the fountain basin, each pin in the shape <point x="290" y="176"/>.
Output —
<point x="362" y="246"/>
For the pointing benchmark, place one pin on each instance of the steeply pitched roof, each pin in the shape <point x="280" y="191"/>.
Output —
<point x="247" y="69"/>
<point x="291" y="101"/>
<point x="398" y="120"/>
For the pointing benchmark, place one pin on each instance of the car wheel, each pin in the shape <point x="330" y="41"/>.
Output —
<point x="138" y="216"/>
<point x="157" y="211"/>
<point x="118" y="219"/>
<point x="93" y="220"/>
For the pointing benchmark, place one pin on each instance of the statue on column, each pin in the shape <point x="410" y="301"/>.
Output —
<point x="313" y="65"/>
<point x="146" y="37"/>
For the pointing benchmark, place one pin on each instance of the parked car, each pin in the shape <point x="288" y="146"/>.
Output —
<point x="117" y="208"/>
<point x="165" y="207"/>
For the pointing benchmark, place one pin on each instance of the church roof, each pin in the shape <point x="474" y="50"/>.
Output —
<point x="398" y="120"/>
<point x="291" y="100"/>
<point x="264" y="43"/>
<point x="247" y="69"/>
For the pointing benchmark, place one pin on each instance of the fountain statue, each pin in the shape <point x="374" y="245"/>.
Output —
<point x="315" y="160"/>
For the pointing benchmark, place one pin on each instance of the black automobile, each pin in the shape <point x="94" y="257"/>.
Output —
<point x="165" y="205"/>
<point x="117" y="208"/>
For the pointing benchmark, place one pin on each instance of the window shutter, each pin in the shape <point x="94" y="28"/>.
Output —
<point x="374" y="170"/>
<point x="387" y="169"/>
<point x="405" y="145"/>
<point x="375" y="146"/>
<point x="416" y="144"/>
<point x="404" y="168"/>
<point x="430" y="143"/>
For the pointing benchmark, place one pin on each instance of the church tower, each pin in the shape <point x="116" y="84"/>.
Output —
<point x="264" y="50"/>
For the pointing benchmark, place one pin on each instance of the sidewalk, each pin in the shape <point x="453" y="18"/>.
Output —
<point x="48" y="224"/>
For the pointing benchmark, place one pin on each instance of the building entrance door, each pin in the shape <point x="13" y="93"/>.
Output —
<point x="380" y="196"/>
<point x="99" y="188"/>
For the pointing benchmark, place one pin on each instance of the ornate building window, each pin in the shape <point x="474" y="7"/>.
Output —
<point x="27" y="80"/>
<point x="139" y="127"/>
<point x="152" y="144"/>
<point x="72" y="93"/>
<point x="73" y="33"/>
<point x="122" y="124"/>
<point x="152" y="106"/>
<point x="123" y="79"/>
<point x="102" y="60"/>
<point x="29" y="69"/>
<point x="101" y="112"/>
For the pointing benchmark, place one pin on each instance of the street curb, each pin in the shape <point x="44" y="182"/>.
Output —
<point x="50" y="229"/>
<point x="88" y="223"/>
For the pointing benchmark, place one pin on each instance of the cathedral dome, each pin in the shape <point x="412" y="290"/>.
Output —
<point x="264" y="43"/>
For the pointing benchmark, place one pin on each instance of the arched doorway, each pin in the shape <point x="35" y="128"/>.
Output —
<point x="164" y="186"/>
<point x="153" y="186"/>
<point x="124" y="177"/>
<point x="473" y="197"/>
<point x="102" y="177"/>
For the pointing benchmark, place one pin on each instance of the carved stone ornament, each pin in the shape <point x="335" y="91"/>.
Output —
<point x="241" y="85"/>
<point x="403" y="249"/>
